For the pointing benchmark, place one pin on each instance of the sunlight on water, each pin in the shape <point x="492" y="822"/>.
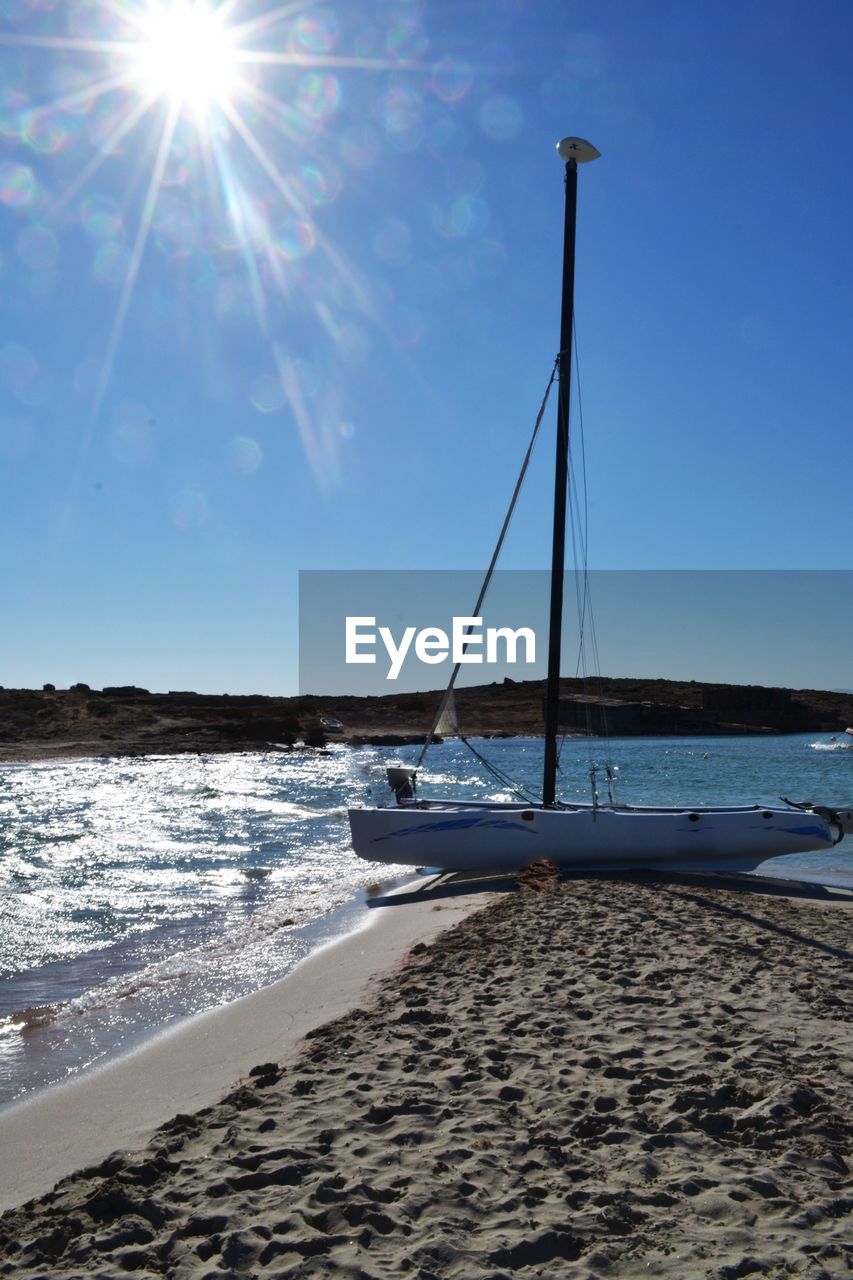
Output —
<point x="134" y="891"/>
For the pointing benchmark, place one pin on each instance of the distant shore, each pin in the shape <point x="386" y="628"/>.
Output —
<point x="591" y="1078"/>
<point x="49" y="723"/>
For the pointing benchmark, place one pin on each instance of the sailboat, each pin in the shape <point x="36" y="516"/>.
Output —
<point x="488" y="835"/>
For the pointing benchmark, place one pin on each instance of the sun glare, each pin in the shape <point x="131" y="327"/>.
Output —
<point x="226" y="115"/>
<point x="186" y="54"/>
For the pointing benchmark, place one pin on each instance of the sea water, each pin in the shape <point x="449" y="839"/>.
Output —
<point x="137" y="891"/>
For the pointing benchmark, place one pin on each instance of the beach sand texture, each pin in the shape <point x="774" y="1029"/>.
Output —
<point x="597" y="1078"/>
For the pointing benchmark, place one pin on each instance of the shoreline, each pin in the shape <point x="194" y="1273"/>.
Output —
<point x="118" y="1103"/>
<point x="591" y="1077"/>
<point x="104" y="1045"/>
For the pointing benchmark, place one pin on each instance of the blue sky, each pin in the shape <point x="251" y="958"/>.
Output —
<point x="308" y="324"/>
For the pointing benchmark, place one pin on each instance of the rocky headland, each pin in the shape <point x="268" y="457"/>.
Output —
<point x="126" y="720"/>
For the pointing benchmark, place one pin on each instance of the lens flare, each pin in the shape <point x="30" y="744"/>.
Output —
<point x="17" y="184"/>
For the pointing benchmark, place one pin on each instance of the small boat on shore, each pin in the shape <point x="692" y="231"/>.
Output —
<point x="484" y="835"/>
<point x="488" y="835"/>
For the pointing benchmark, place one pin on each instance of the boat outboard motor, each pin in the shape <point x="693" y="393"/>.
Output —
<point x="402" y="782"/>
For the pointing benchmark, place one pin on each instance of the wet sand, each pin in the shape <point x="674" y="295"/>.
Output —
<point x="592" y="1078"/>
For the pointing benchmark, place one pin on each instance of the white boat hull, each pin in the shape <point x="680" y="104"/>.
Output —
<point x="475" y="837"/>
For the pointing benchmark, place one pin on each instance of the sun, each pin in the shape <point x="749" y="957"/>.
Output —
<point x="185" y="53"/>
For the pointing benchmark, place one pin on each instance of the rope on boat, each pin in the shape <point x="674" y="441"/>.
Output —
<point x="503" y="778"/>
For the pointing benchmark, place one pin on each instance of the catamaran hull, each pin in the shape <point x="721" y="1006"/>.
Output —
<point x="507" y="838"/>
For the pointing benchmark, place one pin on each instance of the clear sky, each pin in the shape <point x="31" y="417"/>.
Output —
<point x="280" y="291"/>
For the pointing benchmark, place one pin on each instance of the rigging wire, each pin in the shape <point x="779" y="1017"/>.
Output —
<point x="491" y="569"/>
<point x="586" y="622"/>
<point x="498" y="774"/>
<point x="578" y="529"/>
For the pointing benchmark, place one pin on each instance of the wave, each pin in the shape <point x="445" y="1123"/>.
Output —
<point x="242" y="955"/>
<point x="280" y="808"/>
<point x="50" y="836"/>
<point x="34" y="1019"/>
<point x="832" y="746"/>
<point x="220" y="957"/>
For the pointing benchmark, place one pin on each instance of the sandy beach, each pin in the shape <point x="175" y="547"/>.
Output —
<point x="588" y="1078"/>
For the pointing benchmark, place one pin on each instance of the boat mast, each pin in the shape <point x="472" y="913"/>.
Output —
<point x="574" y="151"/>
